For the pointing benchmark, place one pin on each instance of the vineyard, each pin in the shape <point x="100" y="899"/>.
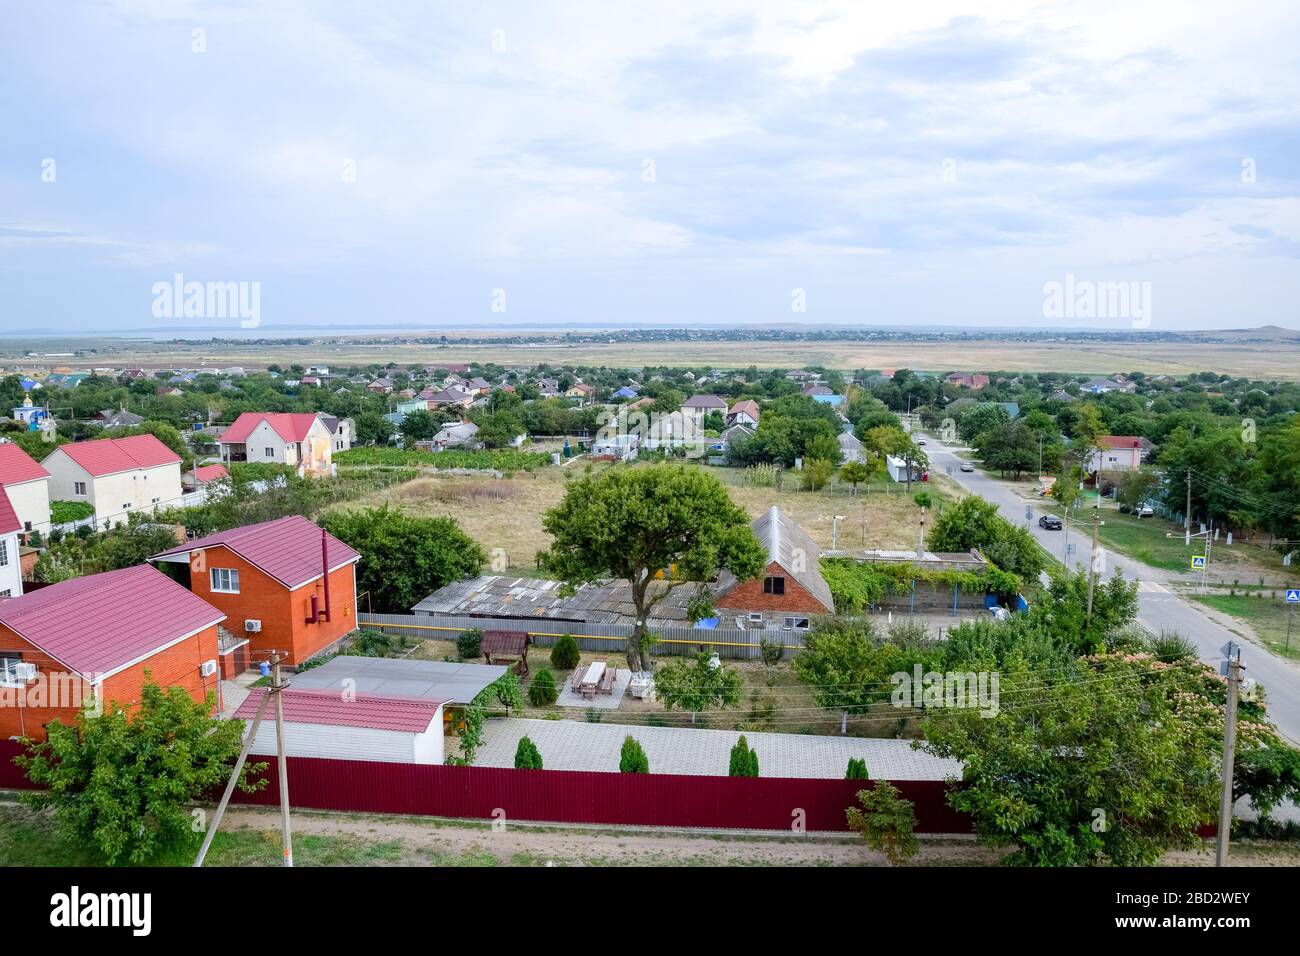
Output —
<point x="506" y="459"/>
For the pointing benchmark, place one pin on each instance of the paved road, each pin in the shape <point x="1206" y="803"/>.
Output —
<point x="1158" y="607"/>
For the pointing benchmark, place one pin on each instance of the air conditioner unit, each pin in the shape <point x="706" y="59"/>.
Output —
<point x="207" y="668"/>
<point x="253" y="627"/>
<point x="25" y="671"/>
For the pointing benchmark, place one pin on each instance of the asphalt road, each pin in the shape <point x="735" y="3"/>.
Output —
<point x="1158" y="607"/>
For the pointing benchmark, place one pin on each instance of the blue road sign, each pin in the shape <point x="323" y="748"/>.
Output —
<point x="1198" y="562"/>
<point x="1293" y="595"/>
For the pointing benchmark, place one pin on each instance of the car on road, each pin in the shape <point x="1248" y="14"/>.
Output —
<point x="967" y="466"/>
<point x="920" y="441"/>
<point x="1050" y="522"/>
<point x="1143" y="511"/>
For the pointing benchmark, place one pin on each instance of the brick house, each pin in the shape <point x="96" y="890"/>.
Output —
<point x="791" y="587"/>
<point x="97" y="637"/>
<point x="268" y="579"/>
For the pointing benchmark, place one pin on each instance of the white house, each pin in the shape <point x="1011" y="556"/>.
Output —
<point x="28" y="487"/>
<point x="301" y="440"/>
<point x="1119" y="453"/>
<point x="698" y="406"/>
<point x="327" y="724"/>
<point x="11" y="572"/>
<point x="116" y="476"/>
<point x="458" y="435"/>
<point x="674" y="430"/>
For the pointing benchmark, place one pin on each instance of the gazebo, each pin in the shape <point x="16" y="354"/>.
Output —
<point x="499" y="645"/>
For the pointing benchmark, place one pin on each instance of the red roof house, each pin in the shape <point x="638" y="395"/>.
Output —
<point x="98" y="636"/>
<point x="115" y="476"/>
<point x="270" y="580"/>
<point x="204" y="474"/>
<point x="298" y="439"/>
<point x="28" y="487"/>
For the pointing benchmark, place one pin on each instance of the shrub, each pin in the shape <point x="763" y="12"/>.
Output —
<point x="886" y="821"/>
<point x="857" y="769"/>
<point x="633" y="758"/>
<point x="565" y="654"/>
<point x="770" y="652"/>
<point x="542" y="691"/>
<point x="527" y="756"/>
<point x="469" y="643"/>
<point x="744" y="761"/>
<point x="369" y="643"/>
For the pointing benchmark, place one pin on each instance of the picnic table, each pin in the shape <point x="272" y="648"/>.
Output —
<point x="591" y="680"/>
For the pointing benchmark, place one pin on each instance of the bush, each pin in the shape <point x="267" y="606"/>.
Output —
<point x="62" y="512"/>
<point x="770" y="652"/>
<point x="369" y="643"/>
<point x="527" y="757"/>
<point x="887" y="822"/>
<point x="565" y="654"/>
<point x="542" y="691"/>
<point x="857" y="769"/>
<point x="633" y="758"/>
<point x="469" y="643"/>
<point x="744" y="761"/>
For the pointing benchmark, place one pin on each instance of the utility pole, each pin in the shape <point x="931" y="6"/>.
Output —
<point x="920" y="545"/>
<point x="234" y="778"/>
<point x="1092" y="560"/>
<point x="1229" y="751"/>
<point x="277" y="691"/>
<point x="1187" y="515"/>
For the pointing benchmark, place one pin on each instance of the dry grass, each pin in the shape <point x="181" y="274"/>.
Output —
<point x="507" y="513"/>
<point x="1252" y="360"/>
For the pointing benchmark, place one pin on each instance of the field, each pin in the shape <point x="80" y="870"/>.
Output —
<point x="1262" y="360"/>
<point x="507" y="513"/>
<point x="1264" y="615"/>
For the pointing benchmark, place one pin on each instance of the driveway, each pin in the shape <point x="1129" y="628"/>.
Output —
<point x="1158" y="607"/>
<point x="574" y="745"/>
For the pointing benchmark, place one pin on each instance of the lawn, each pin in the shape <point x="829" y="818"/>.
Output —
<point x="507" y="513"/>
<point x="1266" y="616"/>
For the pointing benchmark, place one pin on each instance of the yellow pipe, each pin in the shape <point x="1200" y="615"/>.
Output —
<point x="593" y="637"/>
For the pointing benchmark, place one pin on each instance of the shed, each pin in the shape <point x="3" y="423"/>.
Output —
<point x="324" y="723"/>
<point x="507" y="644"/>
<point x="454" y="683"/>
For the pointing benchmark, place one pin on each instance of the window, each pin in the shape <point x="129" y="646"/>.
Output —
<point x="9" y="661"/>
<point x="4" y="554"/>
<point x="270" y="452"/>
<point x="798" y="623"/>
<point x="225" y="579"/>
<point x="79" y="488"/>
<point x="773" y="584"/>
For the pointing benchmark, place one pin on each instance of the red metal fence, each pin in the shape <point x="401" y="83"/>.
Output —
<point x="568" y="796"/>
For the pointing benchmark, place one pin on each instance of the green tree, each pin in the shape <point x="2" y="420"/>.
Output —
<point x="856" y="473"/>
<point x="846" y="667"/>
<point x="469" y="643"/>
<point x="124" y="783"/>
<point x="697" y="686"/>
<point x="1116" y="764"/>
<point x="404" y="559"/>
<point x="565" y="654"/>
<point x="632" y="758"/>
<point x="634" y="523"/>
<point x="816" y="473"/>
<point x="886" y="822"/>
<point x="857" y="769"/>
<point x="542" y="691"/>
<point x="527" y="756"/>
<point x="744" y="760"/>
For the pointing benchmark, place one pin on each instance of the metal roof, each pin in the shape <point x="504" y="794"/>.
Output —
<point x="360" y="710"/>
<point x="103" y="622"/>
<point x="500" y="596"/>
<point x="111" y="456"/>
<point x="444" y="681"/>
<point x="791" y="547"/>
<point x="16" y="466"/>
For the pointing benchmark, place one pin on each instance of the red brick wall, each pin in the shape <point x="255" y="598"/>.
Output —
<point x="283" y="613"/>
<point x="749" y="596"/>
<point x="175" y="666"/>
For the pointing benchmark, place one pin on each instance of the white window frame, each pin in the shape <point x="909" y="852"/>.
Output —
<point x="4" y="553"/>
<point x="270" y="452"/>
<point x="229" y="575"/>
<point x="8" y="676"/>
<point x="797" y="622"/>
<point x="79" y="488"/>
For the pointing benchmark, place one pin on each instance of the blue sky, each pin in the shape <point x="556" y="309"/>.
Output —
<point x="649" y="163"/>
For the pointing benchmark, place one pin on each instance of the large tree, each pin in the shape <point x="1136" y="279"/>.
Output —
<point x="124" y="784"/>
<point x="657" y="528"/>
<point x="403" y="558"/>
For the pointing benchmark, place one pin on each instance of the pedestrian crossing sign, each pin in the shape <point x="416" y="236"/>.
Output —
<point x="1198" y="562"/>
<point x="1293" y="595"/>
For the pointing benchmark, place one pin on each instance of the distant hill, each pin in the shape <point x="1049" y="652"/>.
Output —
<point x="1271" y="333"/>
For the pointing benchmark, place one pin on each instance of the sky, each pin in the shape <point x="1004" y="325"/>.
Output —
<point x="482" y="165"/>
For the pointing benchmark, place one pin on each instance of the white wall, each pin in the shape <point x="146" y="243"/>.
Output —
<point x="110" y="493"/>
<point x="352" y="743"/>
<point x="31" y="501"/>
<point x="11" y="572"/>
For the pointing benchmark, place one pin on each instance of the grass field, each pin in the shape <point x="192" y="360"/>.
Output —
<point x="1264" y="615"/>
<point x="1264" y="360"/>
<point x="507" y="513"/>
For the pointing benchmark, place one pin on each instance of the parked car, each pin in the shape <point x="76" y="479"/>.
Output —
<point x="1143" y="511"/>
<point x="1050" y="522"/>
<point x="967" y="466"/>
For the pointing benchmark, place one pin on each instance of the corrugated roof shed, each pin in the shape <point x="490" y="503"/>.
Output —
<point x="363" y="710"/>
<point x="452" y="682"/>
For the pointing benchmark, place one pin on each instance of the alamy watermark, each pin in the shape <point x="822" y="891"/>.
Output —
<point x="955" y="690"/>
<point x="208" y="300"/>
<point x="1085" y="299"/>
